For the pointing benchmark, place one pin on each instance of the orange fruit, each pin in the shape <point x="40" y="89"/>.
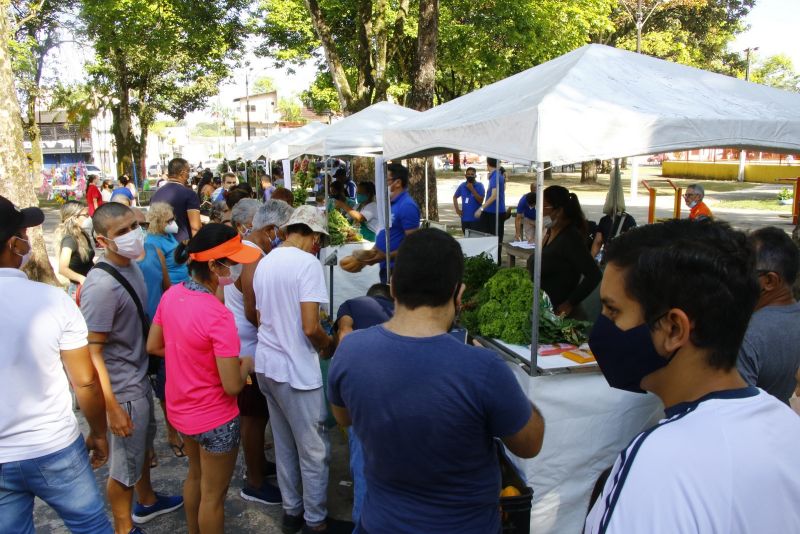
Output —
<point x="510" y="491"/>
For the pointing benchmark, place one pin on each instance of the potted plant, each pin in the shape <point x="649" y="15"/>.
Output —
<point x="785" y="197"/>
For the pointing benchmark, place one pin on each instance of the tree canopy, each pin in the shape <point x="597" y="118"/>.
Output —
<point x="166" y="57"/>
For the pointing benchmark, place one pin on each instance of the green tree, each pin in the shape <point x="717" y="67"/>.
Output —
<point x="37" y="28"/>
<point x="15" y="178"/>
<point x="290" y="109"/>
<point x="777" y="71"/>
<point x="263" y="84"/>
<point x="159" y="58"/>
<point x="355" y="41"/>
<point x="210" y="129"/>
<point x="321" y="96"/>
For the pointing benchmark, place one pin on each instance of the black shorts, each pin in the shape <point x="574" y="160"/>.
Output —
<point x="251" y="401"/>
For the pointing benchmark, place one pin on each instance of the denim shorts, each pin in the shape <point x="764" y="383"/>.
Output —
<point x="220" y="440"/>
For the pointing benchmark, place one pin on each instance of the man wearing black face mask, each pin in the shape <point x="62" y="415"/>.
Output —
<point x="443" y="402"/>
<point x="470" y="193"/>
<point x="677" y="298"/>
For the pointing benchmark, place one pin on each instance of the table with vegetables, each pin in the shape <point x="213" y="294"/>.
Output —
<point x="586" y="422"/>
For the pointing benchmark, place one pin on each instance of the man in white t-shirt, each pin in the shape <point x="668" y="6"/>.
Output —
<point x="42" y="452"/>
<point x="677" y="298"/>
<point x="289" y="286"/>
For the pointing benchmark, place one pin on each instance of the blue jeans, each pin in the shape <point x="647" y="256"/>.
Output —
<point x="64" y="480"/>
<point x="357" y="470"/>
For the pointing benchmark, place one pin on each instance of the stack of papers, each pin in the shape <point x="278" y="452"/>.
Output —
<point x="522" y="244"/>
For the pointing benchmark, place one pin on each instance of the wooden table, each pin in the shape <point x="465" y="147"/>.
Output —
<point x="517" y="252"/>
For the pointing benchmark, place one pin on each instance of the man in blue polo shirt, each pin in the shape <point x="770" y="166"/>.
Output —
<point x="404" y="219"/>
<point x="496" y="195"/>
<point x="471" y="193"/>
<point x="525" y="221"/>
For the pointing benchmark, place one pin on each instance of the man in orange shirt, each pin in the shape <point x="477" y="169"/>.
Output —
<point x="694" y="199"/>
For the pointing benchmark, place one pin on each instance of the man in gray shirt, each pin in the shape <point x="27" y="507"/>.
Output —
<point x="770" y="353"/>
<point x="117" y="346"/>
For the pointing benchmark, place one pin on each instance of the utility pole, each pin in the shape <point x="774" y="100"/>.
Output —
<point x="747" y="52"/>
<point x="247" y="96"/>
<point x="743" y="152"/>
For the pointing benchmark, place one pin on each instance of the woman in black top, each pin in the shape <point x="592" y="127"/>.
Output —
<point x="569" y="273"/>
<point x="76" y="254"/>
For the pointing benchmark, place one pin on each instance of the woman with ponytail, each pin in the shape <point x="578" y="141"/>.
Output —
<point x="76" y="255"/>
<point x="569" y="273"/>
<point x="197" y="335"/>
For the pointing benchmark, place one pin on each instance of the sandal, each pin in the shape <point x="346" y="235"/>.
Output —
<point x="177" y="450"/>
<point x="153" y="459"/>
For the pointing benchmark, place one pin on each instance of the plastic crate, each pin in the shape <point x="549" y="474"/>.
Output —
<point x="515" y="512"/>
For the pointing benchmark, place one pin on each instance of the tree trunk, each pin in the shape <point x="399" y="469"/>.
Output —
<point x="416" y="186"/>
<point x="15" y="179"/>
<point x="421" y="98"/>
<point x="457" y="161"/>
<point x="589" y="172"/>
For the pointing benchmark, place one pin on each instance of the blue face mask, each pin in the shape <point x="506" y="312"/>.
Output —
<point x="625" y="356"/>
<point x="361" y="198"/>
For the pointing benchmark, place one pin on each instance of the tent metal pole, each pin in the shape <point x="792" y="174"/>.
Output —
<point x="614" y="203"/>
<point x="387" y="213"/>
<point x="537" y="268"/>
<point x="427" y="216"/>
<point x="497" y="211"/>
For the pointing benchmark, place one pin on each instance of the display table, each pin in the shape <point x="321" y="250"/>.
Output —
<point x="515" y="252"/>
<point x="587" y="424"/>
<point x="350" y="285"/>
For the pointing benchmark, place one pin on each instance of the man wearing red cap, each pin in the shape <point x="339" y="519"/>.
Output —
<point x="42" y="452"/>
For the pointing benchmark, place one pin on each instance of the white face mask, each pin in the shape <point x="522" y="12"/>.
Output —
<point x="547" y="221"/>
<point x="130" y="245"/>
<point x="87" y="224"/>
<point x="171" y="228"/>
<point x="235" y="273"/>
<point x="25" y="257"/>
<point x="693" y="203"/>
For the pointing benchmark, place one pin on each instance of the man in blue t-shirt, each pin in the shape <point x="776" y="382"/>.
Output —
<point x="488" y="212"/>
<point x="471" y="193"/>
<point x="525" y="221"/>
<point x="185" y="202"/>
<point x="427" y="407"/>
<point x="357" y="314"/>
<point x="404" y="220"/>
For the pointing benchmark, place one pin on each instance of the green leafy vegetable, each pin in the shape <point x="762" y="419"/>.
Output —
<point x="340" y="230"/>
<point x="477" y="271"/>
<point x="502" y="309"/>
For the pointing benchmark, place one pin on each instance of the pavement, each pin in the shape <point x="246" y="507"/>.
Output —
<point x="244" y="516"/>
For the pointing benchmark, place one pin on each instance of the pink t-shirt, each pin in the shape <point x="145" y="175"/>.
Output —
<point x="198" y="329"/>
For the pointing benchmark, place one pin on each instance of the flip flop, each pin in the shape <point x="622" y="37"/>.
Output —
<point x="177" y="450"/>
<point x="153" y="460"/>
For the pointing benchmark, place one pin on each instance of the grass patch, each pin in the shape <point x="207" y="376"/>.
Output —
<point x="766" y="205"/>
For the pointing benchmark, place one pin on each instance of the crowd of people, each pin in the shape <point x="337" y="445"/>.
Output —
<point x="222" y="317"/>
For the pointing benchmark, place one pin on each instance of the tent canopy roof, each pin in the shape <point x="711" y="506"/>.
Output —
<point x="360" y="134"/>
<point x="276" y="147"/>
<point x="599" y="102"/>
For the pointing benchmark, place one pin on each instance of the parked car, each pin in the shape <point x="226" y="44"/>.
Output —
<point x="154" y="171"/>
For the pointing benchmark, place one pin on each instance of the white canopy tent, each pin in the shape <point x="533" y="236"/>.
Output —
<point x="599" y="102"/>
<point x="594" y="103"/>
<point x="360" y="134"/>
<point x="278" y="148"/>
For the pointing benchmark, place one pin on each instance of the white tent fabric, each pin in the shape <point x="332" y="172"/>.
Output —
<point x="279" y="149"/>
<point x="246" y="149"/>
<point x="240" y="147"/>
<point x="360" y="134"/>
<point x="599" y="102"/>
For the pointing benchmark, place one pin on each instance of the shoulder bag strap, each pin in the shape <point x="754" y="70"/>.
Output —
<point x="124" y="283"/>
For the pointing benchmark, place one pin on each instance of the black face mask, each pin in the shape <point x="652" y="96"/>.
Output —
<point x="471" y="179"/>
<point x="625" y="356"/>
